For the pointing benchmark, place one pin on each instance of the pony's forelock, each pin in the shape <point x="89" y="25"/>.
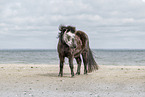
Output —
<point x="71" y="28"/>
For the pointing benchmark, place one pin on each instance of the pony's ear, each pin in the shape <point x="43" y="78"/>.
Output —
<point x="62" y="28"/>
<point x="73" y="29"/>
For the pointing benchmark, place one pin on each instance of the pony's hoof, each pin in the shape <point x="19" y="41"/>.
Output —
<point x="72" y="75"/>
<point x="85" y="73"/>
<point x="78" y="73"/>
<point x="60" y="75"/>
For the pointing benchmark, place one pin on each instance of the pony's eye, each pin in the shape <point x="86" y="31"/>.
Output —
<point x="73" y="40"/>
<point x="63" y="30"/>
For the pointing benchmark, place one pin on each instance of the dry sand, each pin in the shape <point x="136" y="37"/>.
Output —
<point x="42" y="81"/>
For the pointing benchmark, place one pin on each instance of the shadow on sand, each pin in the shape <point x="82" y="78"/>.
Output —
<point x="55" y="75"/>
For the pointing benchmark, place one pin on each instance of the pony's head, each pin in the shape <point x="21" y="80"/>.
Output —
<point x="68" y="35"/>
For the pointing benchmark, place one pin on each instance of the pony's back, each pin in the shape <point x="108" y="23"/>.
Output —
<point x="84" y="38"/>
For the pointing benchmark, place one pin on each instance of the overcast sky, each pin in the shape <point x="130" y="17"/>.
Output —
<point x="110" y="24"/>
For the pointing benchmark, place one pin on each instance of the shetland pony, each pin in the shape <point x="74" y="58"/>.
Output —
<point x="72" y="44"/>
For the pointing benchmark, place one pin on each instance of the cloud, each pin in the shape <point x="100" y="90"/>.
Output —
<point x="38" y="21"/>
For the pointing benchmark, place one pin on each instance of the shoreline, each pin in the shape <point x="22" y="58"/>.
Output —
<point x="23" y="80"/>
<point x="65" y="64"/>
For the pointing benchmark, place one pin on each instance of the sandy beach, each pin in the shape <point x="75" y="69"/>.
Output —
<point x="23" y="80"/>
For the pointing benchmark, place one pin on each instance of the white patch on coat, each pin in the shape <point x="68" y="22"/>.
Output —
<point x="71" y="34"/>
<point x="69" y="38"/>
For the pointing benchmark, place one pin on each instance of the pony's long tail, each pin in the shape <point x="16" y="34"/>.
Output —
<point x="92" y="65"/>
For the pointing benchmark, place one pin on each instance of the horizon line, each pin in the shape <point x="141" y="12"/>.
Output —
<point x="91" y="48"/>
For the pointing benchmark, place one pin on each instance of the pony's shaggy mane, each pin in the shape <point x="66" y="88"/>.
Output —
<point x="63" y="28"/>
<point x="71" y="28"/>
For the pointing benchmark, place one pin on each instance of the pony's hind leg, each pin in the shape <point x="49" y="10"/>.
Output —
<point x="61" y="66"/>
<point x="85" y="60"/>
<point x="79" y="61"/>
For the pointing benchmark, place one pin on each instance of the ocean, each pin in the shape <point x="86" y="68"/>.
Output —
<point x="102" y="57"/>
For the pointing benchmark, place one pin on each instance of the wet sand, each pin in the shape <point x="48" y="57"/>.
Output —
<point x="17" y="80"/>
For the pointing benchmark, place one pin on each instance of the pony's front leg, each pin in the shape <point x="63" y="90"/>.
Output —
<point x="79" y="61"/>
<point x="61" y="66"/>
<point x="71" y="66"/>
